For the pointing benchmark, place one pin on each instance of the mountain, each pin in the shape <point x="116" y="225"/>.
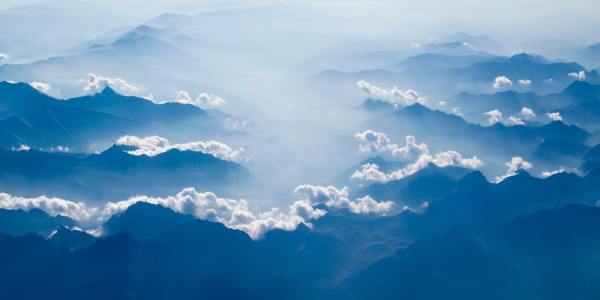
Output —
<point x="415" y="190"/>
<point x="71" y="239"/>
<point x="142" y="55"/>
<point x="435" y="61"/>
<point x="28" y="117"/>
<point x="19" y="222"/>
<point x="92" y="177"/>
<point x="496" y="144"/>
<point x="451" y="266"/>
<point x="466" y="210"/>
<point x="556" y="248"/>
<point x="578" y="103"/>
<point x="591" y="159"/>
<point x="32" y="118"/>
<point x="143" y="221"/>
<point x="546" y="76"/>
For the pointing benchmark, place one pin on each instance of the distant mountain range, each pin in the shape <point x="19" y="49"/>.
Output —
<point x="436" y="75"/>
<point x="92" y="178"/>
<point x="578" y="103"/>
<point x="477" y="241"/>
<point x="28" y="117"/>
<point x="443" y="131"/>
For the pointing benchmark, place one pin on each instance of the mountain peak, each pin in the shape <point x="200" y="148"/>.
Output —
<point x="534" y="58"/>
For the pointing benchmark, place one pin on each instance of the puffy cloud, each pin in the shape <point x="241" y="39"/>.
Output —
<point x="373" y="141"/>
<point x="578" y="75"/>
<point x="394" y="95"/>
<point x="97" y="83"/>
<point x="232" y="213"/>
<point x="501" y="82"/>
<point x="527" y="113"/>
<point x="554" y="116"/>
<point x="52" y="206"/>
<point x="515" y="164"/>
<point x="372" y="172"/>
<point x="525" y="82"/>
<point x="512" y="121"/>
<point x="495" y="116"/>
<point x="153" y="145"/>
<point x="203" y="100"/>
<point x="333" y="197"/>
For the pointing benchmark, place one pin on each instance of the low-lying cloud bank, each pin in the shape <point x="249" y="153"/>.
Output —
<point x="154" y="145"/>
<point x="232" y="213"/>
<point x="372" y="141"/>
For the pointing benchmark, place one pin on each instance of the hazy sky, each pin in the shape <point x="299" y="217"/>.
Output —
<point x="571" y="20"/>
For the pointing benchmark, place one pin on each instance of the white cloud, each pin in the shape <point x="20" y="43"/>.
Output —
<point x="153" y="145"/>
<point x="513" y="121"/>
<point x="232" y="213"/>
<point x="501" y="82"/>
<point x="554" y="116"/>
<point x="516" y="163"/>
<point x="333" y="197"/>
<point x="527" y="113"/>
<point x="60" y="148"/>
<point x="578" y="75"/>
<point x="457" y="111"/>
<point x="203" y="100"/>
<point x="525" y="82"/>
<point x="97" y="83"/>
<point x="373" y="141"/>
<point x="495" y="116"/>
<point x="546" y="174"/>
<point x="22" y="147"/>
<point x="380" y="142"/>
<point x="3" y="56"/>
<point x="394" y="95"/>
<point x="42" y="87"/>
<point x="52" y="206"/>
<point x="370" y="172"/>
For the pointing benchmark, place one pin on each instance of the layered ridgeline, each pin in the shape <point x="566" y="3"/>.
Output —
<point x="473" y="240"/>
<point x="578" y="103"/>
<point x="120" y="172"/>
<point x="29" y="117"/>
<point x="145" y="54"/>
<point x="548" y="144"/>
<point x="438" y="74"/>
